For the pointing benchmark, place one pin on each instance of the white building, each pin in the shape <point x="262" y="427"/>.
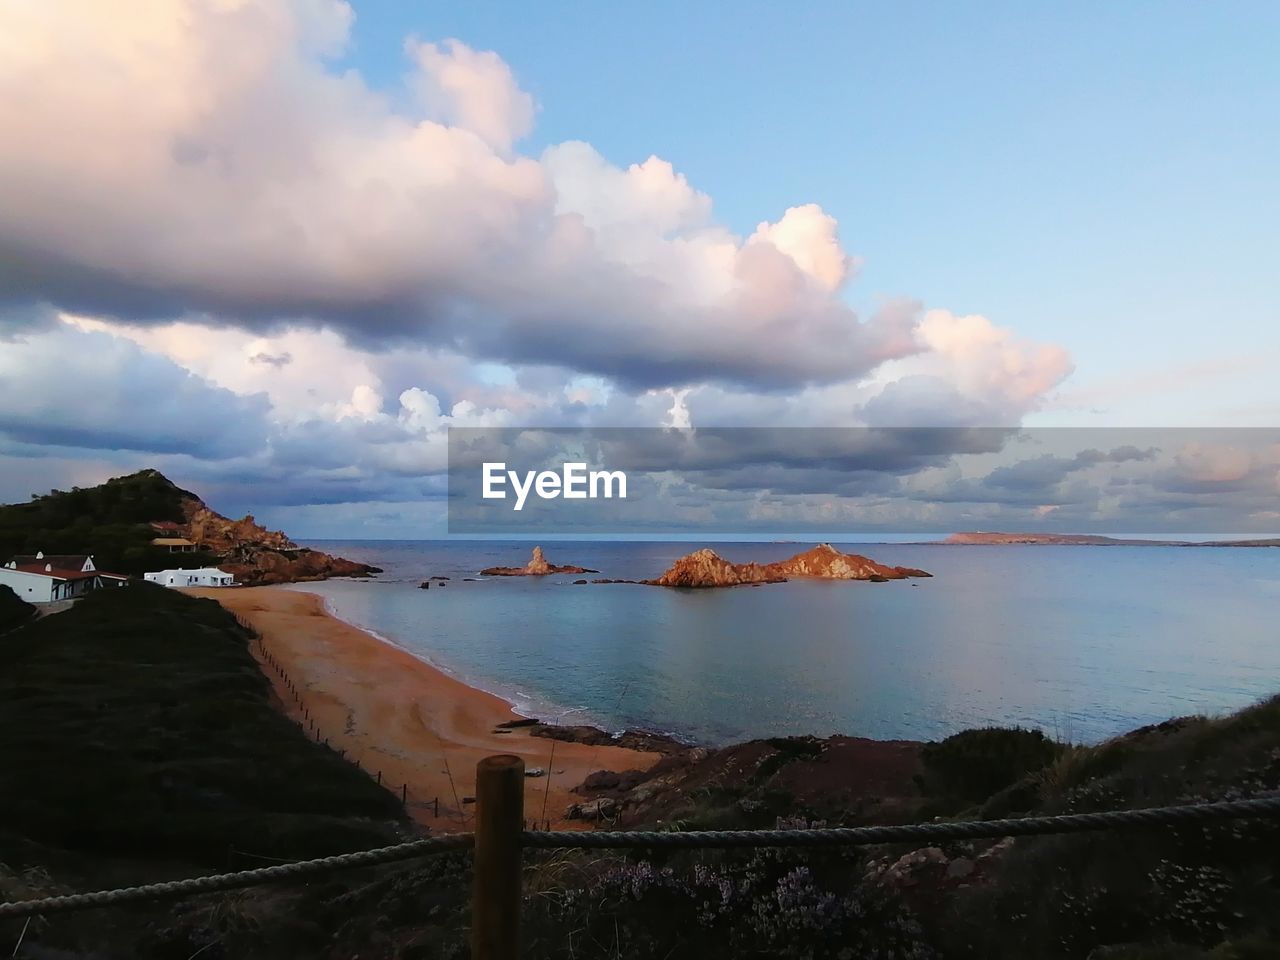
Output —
<point x="203" y="577"/>
<point x="42" y="578"/>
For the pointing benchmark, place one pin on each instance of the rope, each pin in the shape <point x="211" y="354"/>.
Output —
<point x="853" y="836"/>
<point x="244" y="878"/>
<point x="847" y="836"/>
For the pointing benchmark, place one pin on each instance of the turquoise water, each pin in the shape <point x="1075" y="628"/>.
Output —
<point x="1083" y="642"/>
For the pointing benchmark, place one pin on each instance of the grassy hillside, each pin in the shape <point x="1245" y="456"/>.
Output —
<point x="109" y="521"/>
<point x="137" y="723"/>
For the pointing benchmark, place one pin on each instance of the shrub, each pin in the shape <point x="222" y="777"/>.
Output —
<point x="768" y="905"/>
<point x="972" y="765"/>
<point x="14" y="611"/>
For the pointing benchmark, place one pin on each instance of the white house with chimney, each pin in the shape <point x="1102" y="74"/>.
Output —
<point x="203" y="577"/>
<point x="48" y="578"/>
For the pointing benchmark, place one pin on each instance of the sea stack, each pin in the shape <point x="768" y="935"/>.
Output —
<point x="536" y="567"/>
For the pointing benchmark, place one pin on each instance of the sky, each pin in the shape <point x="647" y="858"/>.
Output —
<point x="278" y="249"/>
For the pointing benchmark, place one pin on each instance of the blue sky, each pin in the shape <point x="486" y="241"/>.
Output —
<point x="287" y="245"/>
<point x="1097" y="173"/>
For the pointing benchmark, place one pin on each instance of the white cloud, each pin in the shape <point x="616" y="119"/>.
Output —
<point x="251" y="181"/>
<point x="275" y="267"/>
<point x="809" y="236"/>
<point x="472" y="90"/>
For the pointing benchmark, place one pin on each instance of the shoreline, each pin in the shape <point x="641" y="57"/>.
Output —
<point x="394" y="713"/>
<point x="543" y="711"/>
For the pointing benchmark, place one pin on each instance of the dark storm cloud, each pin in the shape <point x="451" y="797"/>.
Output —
<point x="793" y="479"/>
<point x="1043" y="472"/>
<point x="70" y="389"/>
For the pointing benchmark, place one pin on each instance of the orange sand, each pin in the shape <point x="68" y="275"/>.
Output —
<point x="396" y="714"/>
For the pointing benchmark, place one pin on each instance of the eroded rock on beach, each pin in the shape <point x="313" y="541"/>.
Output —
<point x="536" y="567"/>
<point x="706" y="568"/>
<point x="644" y="741"/>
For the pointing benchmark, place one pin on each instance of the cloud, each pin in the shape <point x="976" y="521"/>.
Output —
<point x="471" y="90"/>
<point x="276" y="360"/>
<point x="809" y="237"/>
<point x="252" y="183"/>
<point x="93" y="391"/>
<point x="270" y="273"/>
<point x="16" y="319"/>
<point x="1046" y="471"/>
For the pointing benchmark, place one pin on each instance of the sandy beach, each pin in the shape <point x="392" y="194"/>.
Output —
<point x="396" y="714"/>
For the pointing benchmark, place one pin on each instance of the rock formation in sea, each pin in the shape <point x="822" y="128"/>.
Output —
<point x="706" y="568"/>
<point x="536" y="567"/>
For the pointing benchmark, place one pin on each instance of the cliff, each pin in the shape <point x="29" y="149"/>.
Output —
<point x="706" y="568"/>
<point x="536" y="567"/>
<point x="256" y="555"/>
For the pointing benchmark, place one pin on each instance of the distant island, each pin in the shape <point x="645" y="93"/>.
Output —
<point x="536" y="567"/>
<point x="706" y="568"/>
<point x="983" y="538"/>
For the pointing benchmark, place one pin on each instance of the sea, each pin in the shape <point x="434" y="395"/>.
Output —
<point x="1082" y="642"/>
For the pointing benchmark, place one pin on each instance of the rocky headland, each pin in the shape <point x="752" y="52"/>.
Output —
<point x="706" y="568"/>
<point x="536" y="567"/>
<point x="258" y="556"/>
<point x="143" y="521"/>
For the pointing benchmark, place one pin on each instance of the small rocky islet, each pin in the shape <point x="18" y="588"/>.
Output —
<point x="536" y="567"/>
<point x="705" y="568"/>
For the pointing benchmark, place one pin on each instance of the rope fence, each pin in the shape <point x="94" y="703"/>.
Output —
<point x="172" y="889"/>
<point x="500" y="839"/>
<point x="865" y="836"/>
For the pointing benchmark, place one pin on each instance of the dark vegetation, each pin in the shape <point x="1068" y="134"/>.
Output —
<point x="138" y="740"/>
<point x="1202" y="893"/>
<point x="109" y="521"/>
<point x="14" y="611"/>
<point x="973" y="765"/>
<point x="138" y="724"/>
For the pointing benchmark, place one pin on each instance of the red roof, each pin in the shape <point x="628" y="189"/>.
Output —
<point x="39" y="569"/>
<point x="60" y="561"/>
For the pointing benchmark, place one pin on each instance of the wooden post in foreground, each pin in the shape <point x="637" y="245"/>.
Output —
<point x="495" y="900"/>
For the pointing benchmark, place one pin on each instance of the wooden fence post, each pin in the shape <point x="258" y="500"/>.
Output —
<point x="495" y="899"/>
